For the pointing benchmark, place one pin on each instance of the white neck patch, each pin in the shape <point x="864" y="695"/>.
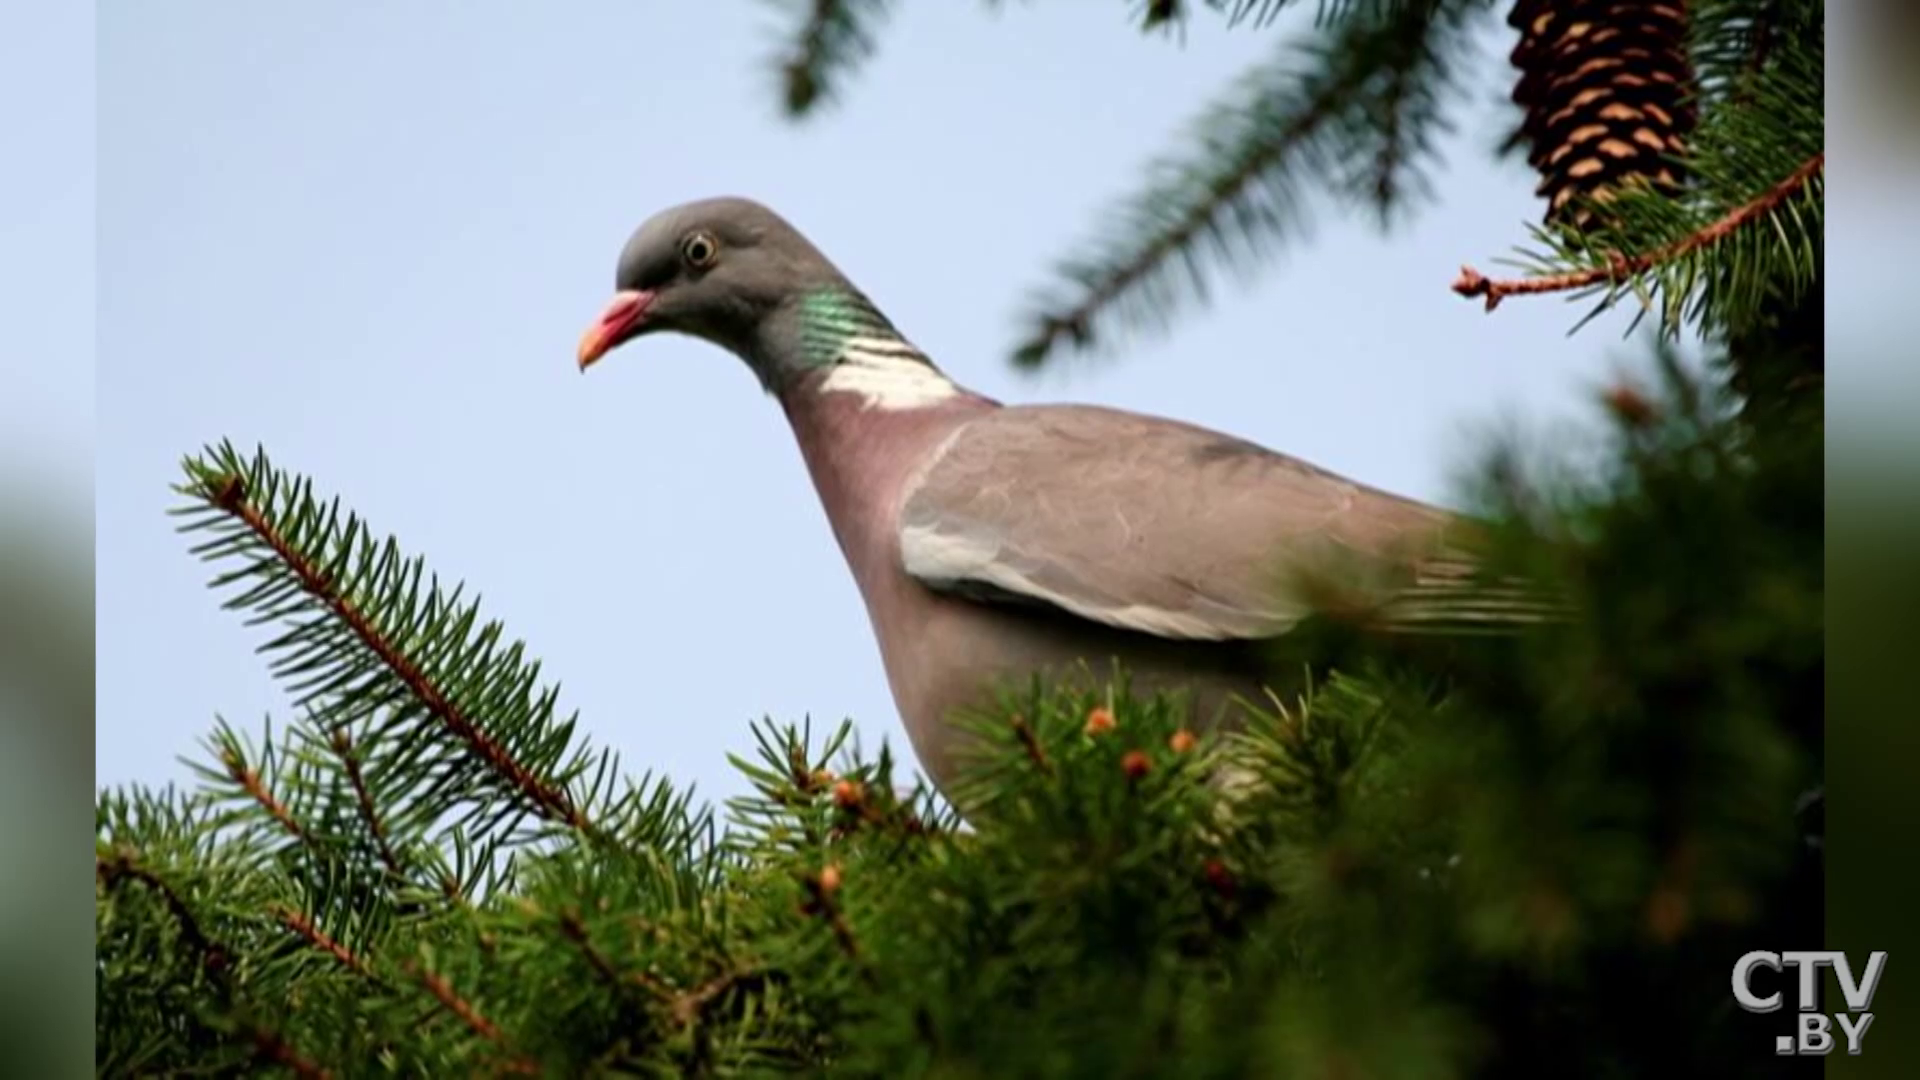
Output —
<point x="889" y="375"/>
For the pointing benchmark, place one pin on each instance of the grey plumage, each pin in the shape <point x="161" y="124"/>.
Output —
<point x="1145" y="524"/>
<point x="992" y="542"/>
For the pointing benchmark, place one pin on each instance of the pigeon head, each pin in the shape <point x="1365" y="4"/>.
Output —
<point x="726" y="270"/>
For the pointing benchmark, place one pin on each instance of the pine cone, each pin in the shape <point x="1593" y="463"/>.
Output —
<point x="1608" y="93"/>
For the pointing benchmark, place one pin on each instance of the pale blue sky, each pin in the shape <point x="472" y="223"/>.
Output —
<point x="368" y="235"/>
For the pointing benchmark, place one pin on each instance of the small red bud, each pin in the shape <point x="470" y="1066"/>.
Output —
<point x="1667" y="914"/>
<point x="1136" y="764"/>
<point x="847" y="794"/>
<point x="1630" y="405"/>
<point x="1219" y="877"/>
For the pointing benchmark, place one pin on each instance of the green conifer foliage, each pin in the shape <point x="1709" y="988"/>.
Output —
<point x="1527" y="855"/>
<point x="1490" y="856"/>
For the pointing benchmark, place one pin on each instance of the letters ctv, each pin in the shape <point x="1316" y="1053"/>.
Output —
<point x="1813" y="1030"/>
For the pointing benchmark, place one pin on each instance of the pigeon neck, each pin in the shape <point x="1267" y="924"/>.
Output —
<point x="834" y="341"/>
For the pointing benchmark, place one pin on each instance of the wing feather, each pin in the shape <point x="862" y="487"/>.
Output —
<point x="1149" y="525"/>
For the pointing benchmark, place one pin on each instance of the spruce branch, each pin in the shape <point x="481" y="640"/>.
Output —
<point x="687" y="1007"/>
<point x="1736" y="43"/>
<point x="1161" y="14"/>
<point x="1619" y="270"/>
<point x="1261" y="13"/>
<point x="575" y="931"/>
<point x="272" y="1048"/>
<point x="256" y="788"/>
<point x="114" y="870"/>
<point x="443" y="992"/>
<point x="880" y="808"/>
<point x="788" y="782"/>
<point x="304" y="928"/>
<point x="231" y="495"/>
<point x="342" y="745"/>
<point x="1030" y="743"/>
<point x="830" y="41"/>
<point x="1352" y="111"/>
<point x="373" y="643"/>
<point x="1742" y="241"/>
<point x="821" y="887"/>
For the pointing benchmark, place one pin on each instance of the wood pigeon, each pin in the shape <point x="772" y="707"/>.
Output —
<point x="992" y="542"/>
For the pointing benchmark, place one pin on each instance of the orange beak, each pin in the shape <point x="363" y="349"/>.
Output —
<point x="621" y="320"/>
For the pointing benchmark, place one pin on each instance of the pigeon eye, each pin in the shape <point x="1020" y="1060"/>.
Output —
<point x="699" y="250"/>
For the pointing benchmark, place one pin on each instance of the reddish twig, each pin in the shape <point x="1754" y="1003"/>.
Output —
<point x="318" y="938"/>
<point x="249" y="779"/>
<point x="123" y="867"/>
<point x="1031" y="744"/>
<point x="231" y="496"/>
<point x="444" y="993"/>
<point x="271" y="1047"/>
<point x="574" y="929"/>
<point x="343" y="746"/>
<point x="820" y="889"/>
<point x="688" y="1006"/>
<point x="1620" y="267"/>
<point x="859" y="807"/>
